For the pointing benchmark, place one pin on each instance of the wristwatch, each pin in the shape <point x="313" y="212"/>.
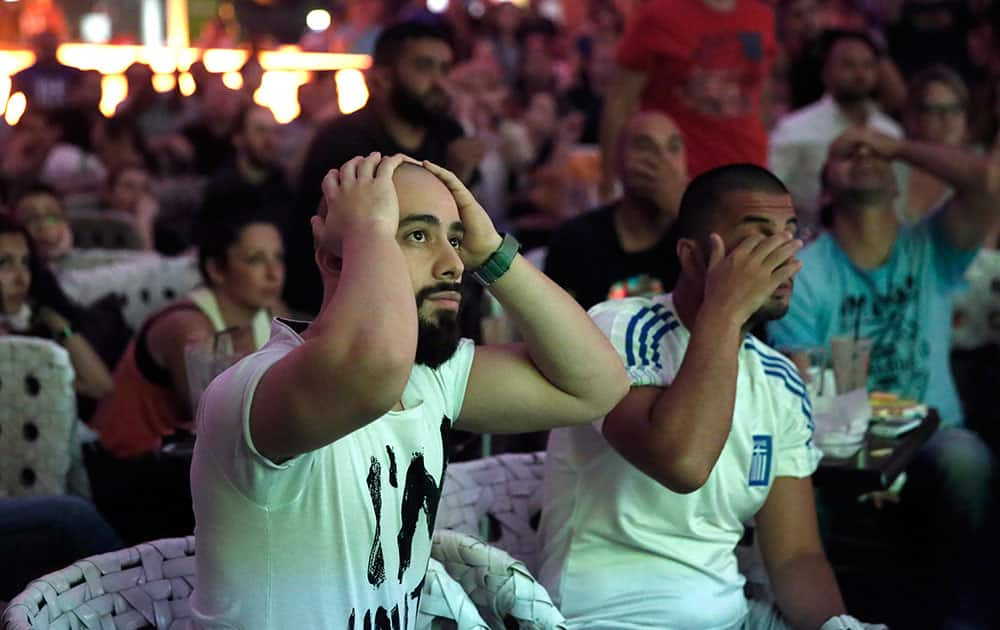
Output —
<point x="498" y="263"/>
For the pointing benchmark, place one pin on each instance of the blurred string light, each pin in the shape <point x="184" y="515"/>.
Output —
<point x="352" y="92"/>
<point x="4" y="92"/>
<point x="114" y="89"/>
<point x="318" y="20"/>
<point x="95" y="28"/>
<point x="437" y="6"/>
<point x="163" y="83"/>
<point x="477" y="9"/>
<point x="232" y="80"/>
<point x="186" y="84"/>
<point x="15" y="108"/>
<point x="285" y="70"/>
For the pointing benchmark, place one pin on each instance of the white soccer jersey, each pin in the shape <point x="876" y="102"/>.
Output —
<point x="622" y="551"/>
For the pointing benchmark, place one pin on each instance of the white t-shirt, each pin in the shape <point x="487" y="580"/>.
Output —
<point x="622" y="551"/>
<point x="335" y="538"/>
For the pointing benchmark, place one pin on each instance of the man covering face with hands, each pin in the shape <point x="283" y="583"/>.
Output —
<point x="320" y="458"/>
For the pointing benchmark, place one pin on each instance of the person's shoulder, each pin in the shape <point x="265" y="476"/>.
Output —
<point x="804" y="118"/>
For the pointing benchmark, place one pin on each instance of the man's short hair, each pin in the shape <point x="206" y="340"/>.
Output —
<point x="389" y="45"/>
<point x="832" y="37"/>
<point x="705" y="196"/>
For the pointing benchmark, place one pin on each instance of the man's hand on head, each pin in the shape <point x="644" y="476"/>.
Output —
<point x="481" y="237"/>
<point x="856" y="137"/>
<point x="359" y="195"/>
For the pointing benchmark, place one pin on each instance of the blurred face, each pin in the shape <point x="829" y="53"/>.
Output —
<point x="851" y="71"/>
<point x="255" y="268"/>
<point x="131" y="186"/>
<point x="540" y="116"/>
<point x="419" y="88"/>
<point x="654" y="165"/>
<point x="801" y="20"/>
<point x="941" y="116"/>
<point x="39" y="133"/>
<point x="430" y="235"/>
<point x="15" y="273"/>
<point x="259" y="139"/>
<point x="855" y="174"/>
<point x="43" y="217"/>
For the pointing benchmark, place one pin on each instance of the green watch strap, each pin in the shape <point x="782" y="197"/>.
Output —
<point x="499" y="261"/>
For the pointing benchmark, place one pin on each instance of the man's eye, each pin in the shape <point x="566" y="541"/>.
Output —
<point x="456" y="243"/>
<point x="418" y="236"/>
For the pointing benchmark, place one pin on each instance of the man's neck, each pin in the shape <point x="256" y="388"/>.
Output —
<point x="250" y="171"/>
<point x="856" y="111"/>
<point x="639" y="224"/>
<point x="866" y="233"/>
<point x="720" y="5"/>
<point x="408" y="136"/>
<point x="688" y="297"/>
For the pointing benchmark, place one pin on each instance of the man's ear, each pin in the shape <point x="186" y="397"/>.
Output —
<point x="328" y="255"/>
<point x="691" y="256"/>
<point x="380" y="78"/>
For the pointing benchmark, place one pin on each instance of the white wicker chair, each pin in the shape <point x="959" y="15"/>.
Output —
<point x="37" y="417"/>
<point x="139" y="587"/>
<point x="507" y="488"/>
<point x="146" y="282"/>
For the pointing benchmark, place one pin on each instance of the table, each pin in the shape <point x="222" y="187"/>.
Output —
<point x="879" y="461"/>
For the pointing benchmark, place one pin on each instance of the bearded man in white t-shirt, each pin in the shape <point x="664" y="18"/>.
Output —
<point x="320" y="458"/>
<point x="643" y="509"/>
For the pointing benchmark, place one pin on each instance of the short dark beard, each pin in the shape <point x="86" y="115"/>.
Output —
<point x="437" y="340"/>
<point x="765" y="314"/>
<point x="410" y="107"/>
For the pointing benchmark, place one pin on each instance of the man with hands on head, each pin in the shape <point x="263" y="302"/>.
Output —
<point x="320" y="458"/>
<point x="715" y="431"/>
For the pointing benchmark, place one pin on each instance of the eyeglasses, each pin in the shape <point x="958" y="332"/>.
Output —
<point x="942" y="109"/>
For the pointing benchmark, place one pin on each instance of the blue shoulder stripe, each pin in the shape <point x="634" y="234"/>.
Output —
<point x="663" y="320"/>
<point x="630" y="340"/>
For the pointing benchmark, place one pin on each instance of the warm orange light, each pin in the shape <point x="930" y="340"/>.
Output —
<point x="291" y="58"/>
<point x="104" y="58"/>
<point x="15" y="108"/>
<point x="177" y="24"/>
<point x="114" y="89"/>
<point x="161" y="60"/>
<point x="4" y="92"/>
<point x="352" y="92"/>
<point x="232" y="80"/>
<point x="13" y="61"/>
<point x="224" y="59"/>
<point x="186" y="84"/>
<point x="164" y="82"/>
<point x="277" y="92"/>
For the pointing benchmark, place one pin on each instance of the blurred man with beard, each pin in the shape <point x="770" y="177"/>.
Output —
<point x="320" y="458"/>
<point x="871" y="277"/>
<point x="644" y="507"/>
<point x="408" y="112"/>
<point x="800" y="140"/>
<point x="624" y="249"/>
<point x="254" y="180"/>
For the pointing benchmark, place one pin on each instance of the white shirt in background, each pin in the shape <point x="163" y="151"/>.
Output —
<point x="799" y="143"/>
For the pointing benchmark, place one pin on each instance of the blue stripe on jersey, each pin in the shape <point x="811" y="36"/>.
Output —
<point x="665" y="320"/>
<point x="630" y="340"/>
<point x="656" y="341"/>
<point x="779" y="362"/>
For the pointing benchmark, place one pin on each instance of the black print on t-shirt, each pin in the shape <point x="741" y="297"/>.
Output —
<point x="899" y="352"/>
<point x="376" y="561"/>
<point x="420" y="494"/>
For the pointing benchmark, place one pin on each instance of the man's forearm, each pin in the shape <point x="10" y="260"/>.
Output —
<point x="562" y="341"/>
<point x="806" y="591"/>
<point x="962" y="169"/>
<point x="692" y="418"/>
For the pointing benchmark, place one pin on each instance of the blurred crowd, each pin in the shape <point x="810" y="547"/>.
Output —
<point x="534" y="111"/>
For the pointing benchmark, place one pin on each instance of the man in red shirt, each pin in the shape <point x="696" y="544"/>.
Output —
<point x="706" y="63"/>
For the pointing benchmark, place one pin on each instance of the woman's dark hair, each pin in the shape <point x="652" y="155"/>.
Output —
<point x="938" y="73"/>
<point x="218" y="232"/>
<point x="44" y="289"/>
